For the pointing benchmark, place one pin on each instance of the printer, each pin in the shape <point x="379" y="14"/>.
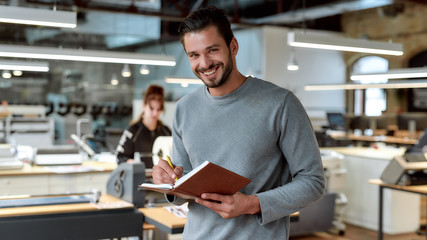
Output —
<point x="409" y="169"/>
<point x="402" y="171"/>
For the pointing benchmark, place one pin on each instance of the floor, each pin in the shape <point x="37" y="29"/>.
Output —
<point x="357" y="233"/>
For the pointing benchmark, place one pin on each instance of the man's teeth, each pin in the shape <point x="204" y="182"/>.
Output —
<point x="210" y="72"/>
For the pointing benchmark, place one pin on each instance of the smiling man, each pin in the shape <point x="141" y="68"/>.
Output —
<point x="247" y="125"/>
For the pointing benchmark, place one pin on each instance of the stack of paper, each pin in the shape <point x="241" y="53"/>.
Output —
<point x="8" y="159"/>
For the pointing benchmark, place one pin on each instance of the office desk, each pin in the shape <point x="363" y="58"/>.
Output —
<point x="163" y="220"/>
<point x="117" y="218"/>
<point x="36" y="180"/>
<point x="418" y="189"/>
<point x="169" y="223"/>
<point x="384" y="139"/>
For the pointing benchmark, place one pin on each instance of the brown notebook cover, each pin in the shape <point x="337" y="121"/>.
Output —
<point x="206" y="178"/>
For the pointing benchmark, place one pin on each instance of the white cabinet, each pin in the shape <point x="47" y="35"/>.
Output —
<point x="77" y="183"/>
<point x="36" y="180"/>
<point x="401" y="209"/>
<point x="21" y="185"/>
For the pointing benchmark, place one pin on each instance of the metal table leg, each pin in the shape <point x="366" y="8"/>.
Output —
<point x="380" y="215"/>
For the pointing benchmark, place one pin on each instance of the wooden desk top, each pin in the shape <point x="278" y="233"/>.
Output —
<point x="369" y="152"/>
<point x="160" y="215"/>
<point x="385" y="139"/>
<point x="105" y="202"/>
<point x="164" y="217"/>
<point x="89" y="166"/>
<point x="422" y="189"/>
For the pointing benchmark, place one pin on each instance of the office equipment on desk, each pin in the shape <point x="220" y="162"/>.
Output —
<point x="8" y="158"/>
<point x="72" y="221"/>
<point x="415" y="120"/>
<point x="124" y="180"/>
<point x="6" y="165"/>
<point x="400" y="171"/>
<point x="84" y="146"/>
<point x="419" y="147"/>
<point x="360" y="124"/>
<point x="26" y="201"/>
<point x="336" y="121"/>
<point x="336" y="182"/>
<point x="57" y="155"/>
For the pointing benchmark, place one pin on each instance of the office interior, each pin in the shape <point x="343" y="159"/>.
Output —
<point x="74" y="113"/>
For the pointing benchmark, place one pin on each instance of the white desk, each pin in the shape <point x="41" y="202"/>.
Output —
<point x="363" y="164"/>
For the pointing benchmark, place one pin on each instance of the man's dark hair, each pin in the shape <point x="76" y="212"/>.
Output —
<point x="205" y="17"/>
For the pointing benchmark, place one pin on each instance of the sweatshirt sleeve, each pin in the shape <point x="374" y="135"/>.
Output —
<point x="301" y="153"/>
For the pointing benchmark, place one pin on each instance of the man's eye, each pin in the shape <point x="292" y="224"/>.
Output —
<point x="213" y="50"/>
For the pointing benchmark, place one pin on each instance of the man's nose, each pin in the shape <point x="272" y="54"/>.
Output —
<point x="205" y="61"/>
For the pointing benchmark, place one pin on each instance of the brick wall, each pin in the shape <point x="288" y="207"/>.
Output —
<point x="403" y="22"/>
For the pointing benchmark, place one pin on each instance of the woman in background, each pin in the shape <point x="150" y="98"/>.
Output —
<point x="140" y="136"/>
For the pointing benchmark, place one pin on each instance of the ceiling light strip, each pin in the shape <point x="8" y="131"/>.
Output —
<point x="390" y="85"/>
<point x="37" y="16"/>
<point x="401" y="73"/>
<point x="85" y="55"/>
<point x="24" y="66"/>
<point x="308" y="40"/>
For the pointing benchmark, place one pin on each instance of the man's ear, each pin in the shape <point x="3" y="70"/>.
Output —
<point x="234" y="46"/>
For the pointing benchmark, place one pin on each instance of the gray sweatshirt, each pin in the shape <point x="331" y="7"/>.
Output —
<point x="260" y="131"/>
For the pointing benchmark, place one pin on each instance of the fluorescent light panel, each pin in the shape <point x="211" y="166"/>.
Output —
<point x="17" y="51"/>
<point x="184" y="80"/>
<point x="390" y="85"/>
<point x="393" y="74"/>
<point x="24" y="66"/>
<point x="308" y="40"/>
<point x="36" y="16"/>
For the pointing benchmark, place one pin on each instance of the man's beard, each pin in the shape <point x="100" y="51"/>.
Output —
<point x="227" y="71"/>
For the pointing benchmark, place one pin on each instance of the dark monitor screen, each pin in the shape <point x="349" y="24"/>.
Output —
<point x="404" y="119"/>
<point x="336" y="120"/>
<point x="418" y="148"/>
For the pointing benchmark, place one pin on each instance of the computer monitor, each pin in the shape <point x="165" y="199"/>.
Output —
<point x="404" y="119"/>
<point x="418" y="148"/>
<point x="360" y="122"/>
<point x="336" y="121"/>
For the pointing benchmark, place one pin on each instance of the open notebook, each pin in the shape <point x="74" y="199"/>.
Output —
<point x="206" y="178"/>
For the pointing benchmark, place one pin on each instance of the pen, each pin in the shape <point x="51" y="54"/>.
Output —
<point x="170" y="164"/>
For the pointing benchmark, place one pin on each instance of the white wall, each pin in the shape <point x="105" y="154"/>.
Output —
<point x="315" y="67"/>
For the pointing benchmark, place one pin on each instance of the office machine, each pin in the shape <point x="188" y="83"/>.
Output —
<point x="43" y="200"/>
<point x="409" y="169"/>
<point x="416" y="121"/>
<point x="124" y="180"/>
<point x="419" y="147"/>
<point x="57" y="155"/>
<point x="406" y="170"/>
<point x="335" y="176"/>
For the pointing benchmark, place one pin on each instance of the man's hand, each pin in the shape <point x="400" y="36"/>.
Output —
<point x="163" y="173"/>
<point x="230" y="206"/>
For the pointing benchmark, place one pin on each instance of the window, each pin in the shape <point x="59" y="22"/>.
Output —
<point x="372" y="101"/>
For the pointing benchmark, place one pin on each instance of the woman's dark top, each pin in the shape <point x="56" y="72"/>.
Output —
<point x="138" y="138"/>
